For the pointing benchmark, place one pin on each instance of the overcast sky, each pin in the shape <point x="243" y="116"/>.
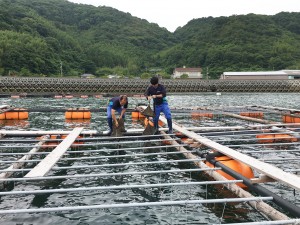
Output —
<point x="174" y="13"/>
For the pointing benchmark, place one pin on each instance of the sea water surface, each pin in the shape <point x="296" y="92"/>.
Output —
<point x="188" y="214"/>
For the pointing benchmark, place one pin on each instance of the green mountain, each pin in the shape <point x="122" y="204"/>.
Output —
<point x="57" y="37"/>
<point x="239" y="43"/>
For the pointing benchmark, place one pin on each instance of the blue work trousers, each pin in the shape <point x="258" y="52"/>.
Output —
<point x="164" y="107"/>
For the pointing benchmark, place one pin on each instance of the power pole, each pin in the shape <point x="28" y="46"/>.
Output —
<point x="207" y="73"/>
<point x="60" y="68"/>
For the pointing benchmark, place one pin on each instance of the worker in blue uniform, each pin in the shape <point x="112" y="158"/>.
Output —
<point x="117" y="104"/>
<point x="157" y="92"/>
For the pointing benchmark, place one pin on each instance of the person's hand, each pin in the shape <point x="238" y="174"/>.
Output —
<point x="116" y="123"/>
<point x="154" y="96"/>
<point x="149" y="98"/>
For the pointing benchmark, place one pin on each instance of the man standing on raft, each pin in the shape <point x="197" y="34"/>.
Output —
<point x="158" y="93"/>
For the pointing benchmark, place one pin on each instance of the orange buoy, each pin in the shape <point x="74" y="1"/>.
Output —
<point x="160" y="123"/>
<point x="165" y="142"/>
<point x="270" y="138"/>
<point x="235" y="165"/>
<point x="80" y="113"/>
<point x="135" y="114"/>
<point x="259" y="115"/>
<point x="16" y="114"/>
<point x="58" y="96"/>
<point x="196" y="115"/>
<point x="98" y="96"/>
<point x="290" y="118"/>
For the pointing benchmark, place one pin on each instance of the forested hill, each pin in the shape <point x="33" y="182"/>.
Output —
<point x="50" y="37"/>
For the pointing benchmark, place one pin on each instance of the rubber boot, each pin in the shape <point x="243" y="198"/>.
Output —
<point x="110" y="125"/>
<point x="170" y="126"/>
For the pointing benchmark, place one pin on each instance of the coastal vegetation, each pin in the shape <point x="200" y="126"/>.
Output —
<point x="60" y="38"/>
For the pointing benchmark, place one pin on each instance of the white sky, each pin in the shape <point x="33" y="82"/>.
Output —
<point x="174" y="13"/>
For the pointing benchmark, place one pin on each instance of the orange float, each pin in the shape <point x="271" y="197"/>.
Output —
<point x="53" y="143"/>
<point x="137" y="115"/>
<point x="196" y="115"/>
<point x="259" y="115"/>
<point x="15" y="114"/>
<point x="290" y="118"/>
<point x="80" y="113"/>
<point x="271" y="138"/>
<point x="146" y="121"/>
<point x="235" y="165"/>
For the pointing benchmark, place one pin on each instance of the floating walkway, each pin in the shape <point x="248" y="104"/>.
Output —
<point x="254" y="160"/>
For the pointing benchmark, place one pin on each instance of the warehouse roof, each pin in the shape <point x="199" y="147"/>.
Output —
<point x="262" y="73"/>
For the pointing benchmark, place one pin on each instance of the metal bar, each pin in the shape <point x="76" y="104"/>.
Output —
<point x="116" y="187"/>
<point x="89" y="158"/>
<point x="18" y="164"/>
<point x="277" y="222"/>
<point x="278" y="159"/>
<point x="246" y="134"/>
<point x="94" y="151"/>
<point x="268" y="151"/>
<point x="41" y="133"/>
<point x="253" y="139"/>
<point x="278" y="108"/>
<point x="108" y="165"/>
<point x="94" y="144"/>
<point x="129" y="205"/>
<point x="292" y="170"/>
<point x="85" y="139"/>
<point x="105" y="175"/>
<point x="121" y="156"/>
<point x="265" y="144"/>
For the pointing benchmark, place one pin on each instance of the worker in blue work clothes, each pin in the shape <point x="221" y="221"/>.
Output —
<point x="118" y="104"/>
<point x="157" y="92"/>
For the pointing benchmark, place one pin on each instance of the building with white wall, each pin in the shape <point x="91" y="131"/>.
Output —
<point x="192" y="73"/>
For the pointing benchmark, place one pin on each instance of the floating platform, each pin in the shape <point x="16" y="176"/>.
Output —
<point x="255" y="159"/>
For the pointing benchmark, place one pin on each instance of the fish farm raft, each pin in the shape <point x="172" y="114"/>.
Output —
<point x="223" y="164"/>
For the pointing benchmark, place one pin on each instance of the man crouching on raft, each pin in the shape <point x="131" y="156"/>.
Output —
<point x="118" y="104"/>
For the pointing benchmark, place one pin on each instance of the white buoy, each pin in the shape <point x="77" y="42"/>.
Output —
<point x="218" y="93"/>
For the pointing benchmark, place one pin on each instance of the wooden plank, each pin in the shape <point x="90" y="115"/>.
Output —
<point x="262" y="179"/>
<point x="247" y="118"/>
<point x="51" y="159"/>
<point x="260" y="205"/>
<point x="19" y="164"/>
<point x="271" y="171"/>
<point x="4" y="106"/>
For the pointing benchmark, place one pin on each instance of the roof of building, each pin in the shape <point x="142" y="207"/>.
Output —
<point x="292" y="72"/>
<point x="86" y="75"/>
<point x="262" y="73"/>
<point x="188" y="69"/>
